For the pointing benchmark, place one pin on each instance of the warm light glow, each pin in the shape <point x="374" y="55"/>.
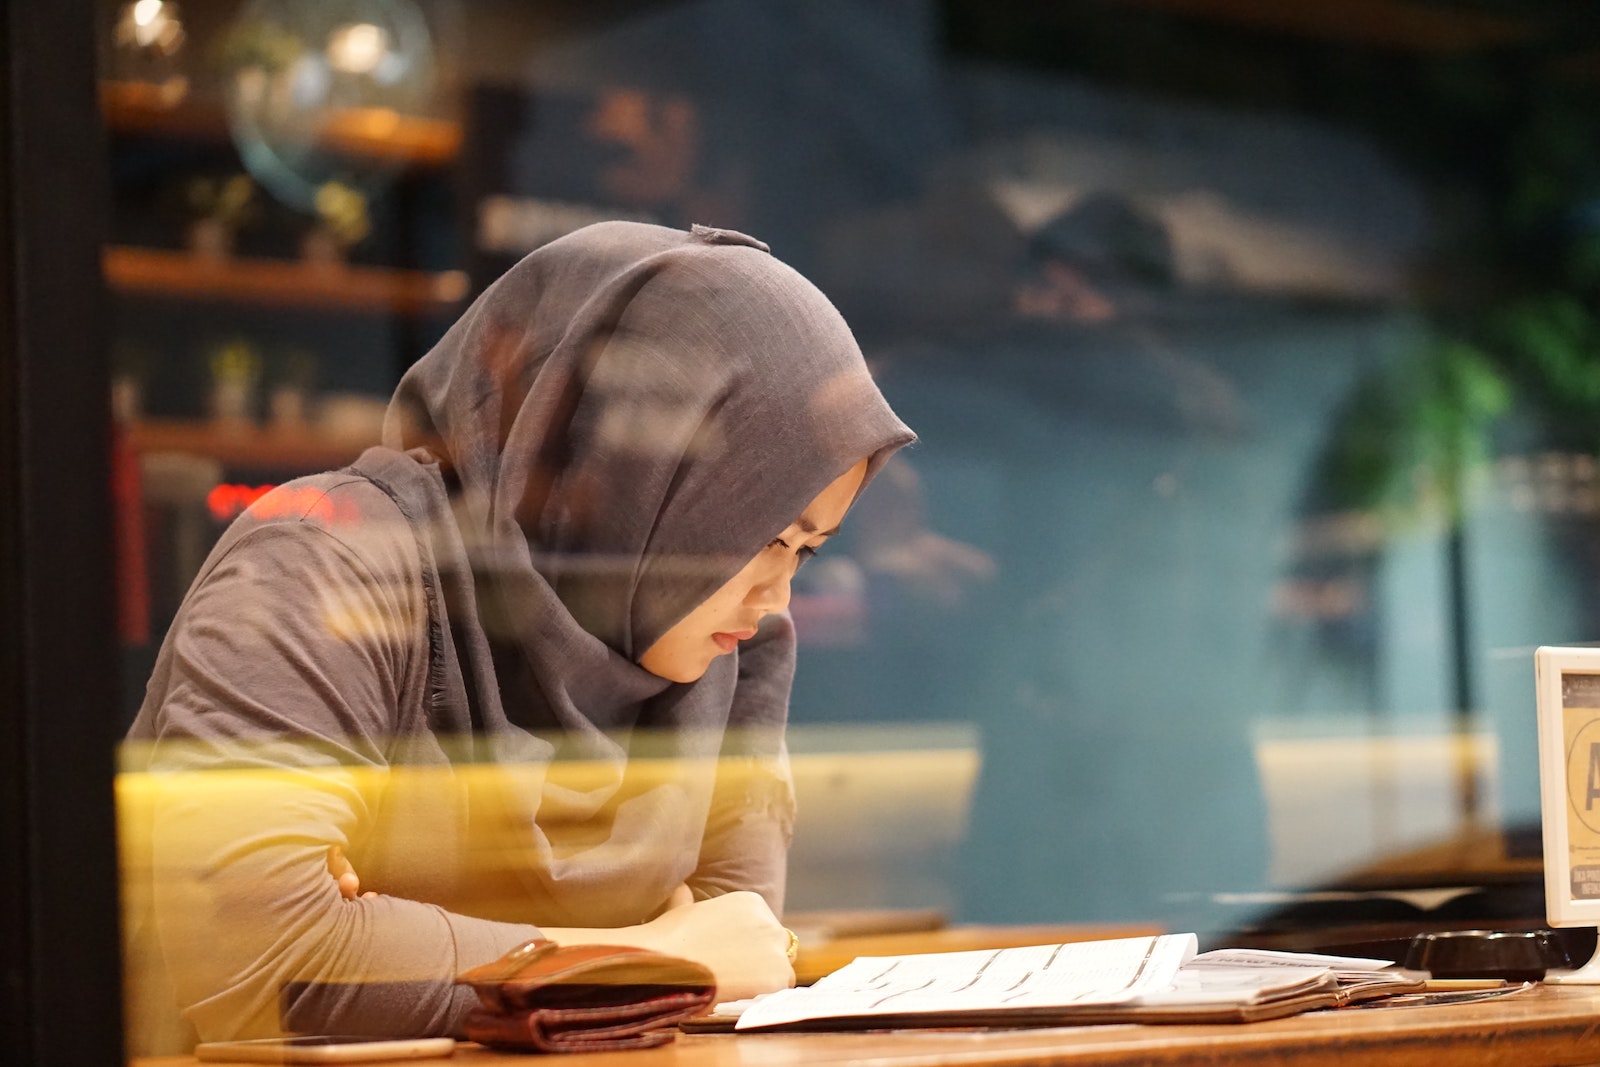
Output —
<point x="228" y="501"/>
<point x="357" y="48"/>
<point x="152" y="24"/>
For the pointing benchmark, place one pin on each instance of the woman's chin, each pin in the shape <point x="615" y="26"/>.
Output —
<point x="677" y="671"/>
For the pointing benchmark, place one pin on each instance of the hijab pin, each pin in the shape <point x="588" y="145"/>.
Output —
<point x="712" y="235"/>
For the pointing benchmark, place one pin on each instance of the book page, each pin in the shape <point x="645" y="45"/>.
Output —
<point x="1238" y="985"/>
<point x="1079" y="974"/>
<point x="1261" y="957"/>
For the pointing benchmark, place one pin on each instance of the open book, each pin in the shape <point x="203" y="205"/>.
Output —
<point x="1136" y="979"/>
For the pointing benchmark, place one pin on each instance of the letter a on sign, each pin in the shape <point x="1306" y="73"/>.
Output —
<point x="1594" y="776"/>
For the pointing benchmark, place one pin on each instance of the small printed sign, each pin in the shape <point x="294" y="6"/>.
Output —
<point x="1567" y="687"/>
<point x="1580" y="717"/>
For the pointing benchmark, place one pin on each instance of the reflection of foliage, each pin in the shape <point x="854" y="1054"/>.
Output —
<point x="1515" y="332"/>
<point x="1551" y="346"/>
<point x="1426" y="428"/>
<point x="1415" y="436"/>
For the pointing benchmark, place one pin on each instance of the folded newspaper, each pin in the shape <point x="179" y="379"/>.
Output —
<point x="1135" y="979"/>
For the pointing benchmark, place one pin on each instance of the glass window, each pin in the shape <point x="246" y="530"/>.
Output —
<point x="1252" y="363"/>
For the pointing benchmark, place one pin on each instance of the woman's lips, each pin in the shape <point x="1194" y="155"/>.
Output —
<point x="730" y="641"/>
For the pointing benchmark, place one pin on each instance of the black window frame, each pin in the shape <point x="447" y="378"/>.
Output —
<point x="60" y="972"/>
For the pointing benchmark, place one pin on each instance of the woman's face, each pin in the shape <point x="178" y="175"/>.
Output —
<point x="730" y="615"/>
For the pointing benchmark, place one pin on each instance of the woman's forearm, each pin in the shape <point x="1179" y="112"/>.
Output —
<point x="257" y="938"/>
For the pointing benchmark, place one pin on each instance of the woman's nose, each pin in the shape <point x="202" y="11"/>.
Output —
<point x="770" y="593"/>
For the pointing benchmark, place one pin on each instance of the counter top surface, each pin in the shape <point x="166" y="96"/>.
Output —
<point x="1546" y="1025"/>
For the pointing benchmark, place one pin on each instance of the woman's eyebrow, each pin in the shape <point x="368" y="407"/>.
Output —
<point x="809" y="527"/>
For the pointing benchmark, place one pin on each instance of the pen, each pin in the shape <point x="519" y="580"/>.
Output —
<point x="1439" y="984"/>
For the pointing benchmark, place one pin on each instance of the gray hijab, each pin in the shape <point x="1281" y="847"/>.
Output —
<point x="606" y="436"/>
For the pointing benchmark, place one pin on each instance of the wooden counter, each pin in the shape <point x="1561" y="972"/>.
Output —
<point x="1545" y="1026"/>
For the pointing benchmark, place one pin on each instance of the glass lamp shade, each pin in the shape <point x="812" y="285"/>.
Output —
<point x="298" y="73"/>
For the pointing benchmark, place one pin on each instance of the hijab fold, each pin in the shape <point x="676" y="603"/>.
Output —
<point x="606" y="436"/>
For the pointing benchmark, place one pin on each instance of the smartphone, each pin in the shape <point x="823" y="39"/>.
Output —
<point x="335" y="1048"/>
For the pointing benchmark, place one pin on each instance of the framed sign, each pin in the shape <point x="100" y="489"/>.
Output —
<point x="1568" y="685"/>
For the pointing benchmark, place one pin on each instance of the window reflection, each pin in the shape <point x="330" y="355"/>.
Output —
<point x="1255" y="417"/>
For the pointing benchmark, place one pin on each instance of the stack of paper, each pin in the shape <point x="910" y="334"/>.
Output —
<point x="1136" y="979"/>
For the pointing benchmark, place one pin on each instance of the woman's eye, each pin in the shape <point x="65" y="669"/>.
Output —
<point x="804" y="553"/>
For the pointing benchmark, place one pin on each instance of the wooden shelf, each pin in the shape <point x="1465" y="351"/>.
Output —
<point x="281" y="283"/>
<point x="301" y="450"/>
<point x="363" y="133"/>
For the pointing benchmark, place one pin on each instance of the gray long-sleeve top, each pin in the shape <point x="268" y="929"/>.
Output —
<point x="288" y="713"/>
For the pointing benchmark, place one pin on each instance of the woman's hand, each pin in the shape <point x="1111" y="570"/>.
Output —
<point x="345" y="874"/>
<point x="736" y="935"/>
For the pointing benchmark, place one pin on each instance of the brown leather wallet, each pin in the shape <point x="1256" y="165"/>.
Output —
<point x="541" y="997"/>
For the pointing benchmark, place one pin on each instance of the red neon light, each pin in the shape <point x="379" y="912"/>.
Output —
<point x="227" y="502"/>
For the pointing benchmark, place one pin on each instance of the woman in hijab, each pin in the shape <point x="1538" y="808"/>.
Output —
<point x="525" y="668"/>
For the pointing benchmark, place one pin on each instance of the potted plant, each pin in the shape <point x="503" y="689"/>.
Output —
<point x="235" y="367"/>
<point x="221" y="207"/>
<point x="341" y="224"/>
